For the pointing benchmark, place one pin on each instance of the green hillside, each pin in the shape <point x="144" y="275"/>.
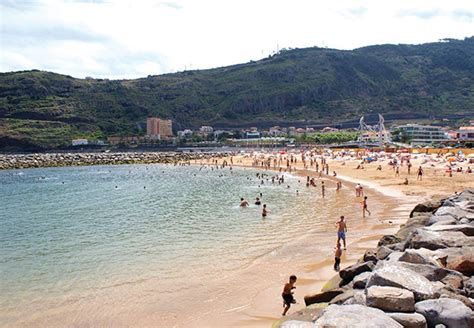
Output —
<point x="301" y="86"/>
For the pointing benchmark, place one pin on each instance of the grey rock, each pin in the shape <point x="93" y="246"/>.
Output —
<point x="469" y="287"/>
<point x="350" y="272"/>
<point x="340" y="299"/>
<point x="430" y="272"/>
<point x="388" y="240"/>
<point x="409" y="320"/>
<point x="467" y="229"/>
<point x="441" y="219"/>
<point x="355" y="316"/>
<point x="428" y="206"/>
<point x="395" y="275"/>
<point x="383" y="252"/>
<point x="465" y="221"/>
<point x="412" y="256"/>
<point x="360" y="281"/>
<point x="358" y="298"/>
<point x="322" y="297"/>
<point x="391" y="299"/>
<point x="370" y="256"/>
<point x="394" y="256"/>
<point x="446" y="311"/>
<point x="438" y="239"/>
<point x="455" y="212"/>
<point x="297" y="324"/>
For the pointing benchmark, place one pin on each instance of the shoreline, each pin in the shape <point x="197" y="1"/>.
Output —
<point x="403" y="203"/>
<point x="420" y="276"/>
<point x="362" y="236"/>
<point x="264" y="306"/>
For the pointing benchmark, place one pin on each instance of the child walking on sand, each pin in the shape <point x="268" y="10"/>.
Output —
<point x="337" y="257"/>
<point x="364" y="207"/>
<point x="287" y="294"/>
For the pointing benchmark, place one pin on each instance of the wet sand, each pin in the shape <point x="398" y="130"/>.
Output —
<point x="390" y="207"/>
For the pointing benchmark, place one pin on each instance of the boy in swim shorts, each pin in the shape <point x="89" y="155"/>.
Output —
<point x="287" y="294"/>
<point x="341" y="231"/>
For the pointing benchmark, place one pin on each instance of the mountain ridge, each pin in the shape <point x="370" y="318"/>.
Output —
<point x="306" y="86"/>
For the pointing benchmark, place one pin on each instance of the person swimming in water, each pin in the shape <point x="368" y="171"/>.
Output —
<point x="243" y="203"/>
<point x="264" y="210"/>
<point x="257" y="201"/>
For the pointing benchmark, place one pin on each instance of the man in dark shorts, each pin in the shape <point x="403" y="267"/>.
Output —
<point x="287" y="294"/>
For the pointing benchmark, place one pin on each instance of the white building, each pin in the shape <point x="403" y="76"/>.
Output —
<point x="423" y="134"/>
<point x="186" y="133"/>
<point x="206" y="129"/>
<point x="79" y="142"/>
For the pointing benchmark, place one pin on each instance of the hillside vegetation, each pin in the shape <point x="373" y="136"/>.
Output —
<point x="298" y="86"/>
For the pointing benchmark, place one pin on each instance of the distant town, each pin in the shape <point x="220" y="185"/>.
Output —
<point x="159" y="132"/>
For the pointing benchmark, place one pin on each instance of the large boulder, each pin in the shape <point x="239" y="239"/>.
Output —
<point x="428" y="206"/>
<point x="446" y="311"/>
<point x="360" y="281"/>
<point x="438" y="239"/>
<point x="415" y="257"/>
<point x="467" y="229"/>
<point x="391" y="299"/>
<point x="463" y="264"/>
<point x="370" y="256"/>
<point x="382" y="252"/>
<point x="430" y="272"/>
<point x="308" y="314"/>
<point x="347" y="274"/>
<point x="322" y="297"/>
<point x="469" y="287"/>
<point x="388" y="240"/>
<point x="441" y="219"/>
<point x="455" y="212"/>
<point x="333" y="283"/>
<point x="409" y="320"/>
<point x="351" y="296"/>
<point x="395" y="275"/>
<point x="297" y="324"/>
<point x="355" y="316"/>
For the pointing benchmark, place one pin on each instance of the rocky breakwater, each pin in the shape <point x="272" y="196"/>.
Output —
<point x="420" y="277"/>
<point x="78" y="159"/>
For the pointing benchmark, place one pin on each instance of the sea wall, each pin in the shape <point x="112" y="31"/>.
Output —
<point x="420" y="277"/>
<point x="77" y="159"/>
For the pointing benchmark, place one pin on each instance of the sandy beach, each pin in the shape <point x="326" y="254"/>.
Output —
<point x="390" y="201"/>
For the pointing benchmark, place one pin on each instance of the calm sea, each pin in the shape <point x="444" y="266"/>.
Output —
<point x="82" y="242"/>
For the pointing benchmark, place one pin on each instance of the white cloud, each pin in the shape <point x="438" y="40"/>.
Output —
<point x="126" y="38"/>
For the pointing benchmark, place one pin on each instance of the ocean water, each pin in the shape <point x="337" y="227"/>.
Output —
<point x="78" y="245"/>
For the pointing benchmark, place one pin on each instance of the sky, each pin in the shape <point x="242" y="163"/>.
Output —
<point x="134" y="38"/>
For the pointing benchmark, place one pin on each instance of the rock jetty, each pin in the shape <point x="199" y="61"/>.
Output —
<point x="420" y="277"/>
<point x="78" y="159"/>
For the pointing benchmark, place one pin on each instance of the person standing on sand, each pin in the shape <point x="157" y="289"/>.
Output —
<point x="357" y="189"/>
<point x="287" y="294"/>
<point x="337" y="257"/>
<point x="323" y="189"/>
<point x="364" y="207"/>
<point x="420" y="174"/>
<point x="341" y="231"/>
